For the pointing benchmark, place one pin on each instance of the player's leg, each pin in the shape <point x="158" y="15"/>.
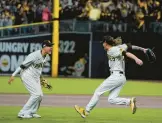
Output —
<point x="94" y="100"/>
<point x="31" y="85"/>
<point x="36" y="105"/>
<point x="114" y="99"/>
<point x="25" y="112"/>
<point x="107" y="85"/>
<point x="35" y="108"/>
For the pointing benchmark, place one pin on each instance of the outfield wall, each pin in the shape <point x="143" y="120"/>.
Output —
<point x="74" y="46"/>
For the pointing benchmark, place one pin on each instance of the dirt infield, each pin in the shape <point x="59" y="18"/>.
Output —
<point x="71" y="100"/>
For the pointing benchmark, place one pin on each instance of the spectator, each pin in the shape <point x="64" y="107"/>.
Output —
<point x="1" y="20"/>
<point x="20" y="17"/>
<point x="24" y="11"/>
<point x="31" y="14"/>
<point x="46" y="15"/>
<point x="8" y="22"/>
<point x="39" y="11"/>
<point x="136" y="13"/>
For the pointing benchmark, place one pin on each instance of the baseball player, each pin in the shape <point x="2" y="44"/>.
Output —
<point x="30" y="73"/>
<point x="115" y="81"/>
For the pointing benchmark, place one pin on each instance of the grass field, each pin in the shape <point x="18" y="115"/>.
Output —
<point x="69" y="115"/>
<point x="84" y="86"/>
<point x="8" y="114"/>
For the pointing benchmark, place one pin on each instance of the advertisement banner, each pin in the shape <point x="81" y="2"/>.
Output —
<point x="74" y="54"/>
<point x="14" y="51"/>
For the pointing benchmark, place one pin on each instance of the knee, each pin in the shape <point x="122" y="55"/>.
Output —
<point x="38" y="97"/>
<point x="39" y="94"/>
<point x="97" y="93"/>
<point x="111" y="100"/>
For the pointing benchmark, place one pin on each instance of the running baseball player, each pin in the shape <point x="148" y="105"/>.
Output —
<point x="30" y="73"/>
<point x="115" y="81"/>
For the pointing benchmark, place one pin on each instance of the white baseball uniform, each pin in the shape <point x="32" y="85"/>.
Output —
<point x="30" y="72"/>
<point x="114" y="82"/>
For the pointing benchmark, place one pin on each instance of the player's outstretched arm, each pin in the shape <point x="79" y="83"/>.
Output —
<point x="132" y="56"/>
<point x="125" y="46"/>
<point x="14" y="74"/>
<point x="134" y="47"/>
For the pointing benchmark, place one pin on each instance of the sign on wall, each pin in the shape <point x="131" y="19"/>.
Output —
<point x="74" y="54"/>
<point x="14" y="51"/>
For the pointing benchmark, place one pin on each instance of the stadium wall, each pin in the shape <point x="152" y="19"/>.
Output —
<point x="76" y="45"/>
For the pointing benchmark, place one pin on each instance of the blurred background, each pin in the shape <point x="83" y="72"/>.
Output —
<point x="24" y="24"/>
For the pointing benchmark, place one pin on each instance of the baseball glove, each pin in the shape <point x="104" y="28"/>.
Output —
<point x="45" y="84"/>
<point x="150" y="55"/>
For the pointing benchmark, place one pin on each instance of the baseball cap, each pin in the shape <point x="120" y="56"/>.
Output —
<point x="47" y="43"/>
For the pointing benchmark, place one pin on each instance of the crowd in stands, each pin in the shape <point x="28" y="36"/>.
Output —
<point x="16" y="12"/>
<point x="135" y="12"/>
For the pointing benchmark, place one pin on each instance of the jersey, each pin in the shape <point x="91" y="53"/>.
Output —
<point x="116" y="59"/>
<point x="33" y="64"/>
<point x="123" y="46"/>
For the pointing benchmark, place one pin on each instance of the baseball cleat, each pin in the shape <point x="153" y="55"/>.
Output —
<point x="81" y="111"/>
<point x="36" y="115"/>
<point x="133" y="105"/>
<point x="25" y="116"/>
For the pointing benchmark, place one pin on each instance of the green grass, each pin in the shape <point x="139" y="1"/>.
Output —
<point x="84" y="86"/>
<point x="69" y="115"/>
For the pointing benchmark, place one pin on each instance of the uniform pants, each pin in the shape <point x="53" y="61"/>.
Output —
<point x="113" y="84"/>
<point x="34" y="88"/>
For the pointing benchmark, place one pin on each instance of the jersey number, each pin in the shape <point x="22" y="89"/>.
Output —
<point x="67" y="47"/>
<point x="112" y="59"/>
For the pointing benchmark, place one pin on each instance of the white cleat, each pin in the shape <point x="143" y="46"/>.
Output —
<point x="36" y="115"/>
<point x="27" y="116"/>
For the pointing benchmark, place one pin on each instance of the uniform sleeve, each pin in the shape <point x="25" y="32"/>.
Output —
<point x="28" y="61"/>
<point x="16" y="71"/>
<point x="124" y="47"/>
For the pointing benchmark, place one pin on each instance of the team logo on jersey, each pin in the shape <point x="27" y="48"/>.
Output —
<point x="111" y="58"/>
<point x="37" y="66"/>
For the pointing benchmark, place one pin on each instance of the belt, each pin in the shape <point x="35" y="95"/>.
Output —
<point x="120" y="72"/>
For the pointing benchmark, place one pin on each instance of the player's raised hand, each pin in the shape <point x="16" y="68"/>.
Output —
<point x="145" y="50"/>
<point x="11" y="79"/>
<point x="139" y="61"/>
